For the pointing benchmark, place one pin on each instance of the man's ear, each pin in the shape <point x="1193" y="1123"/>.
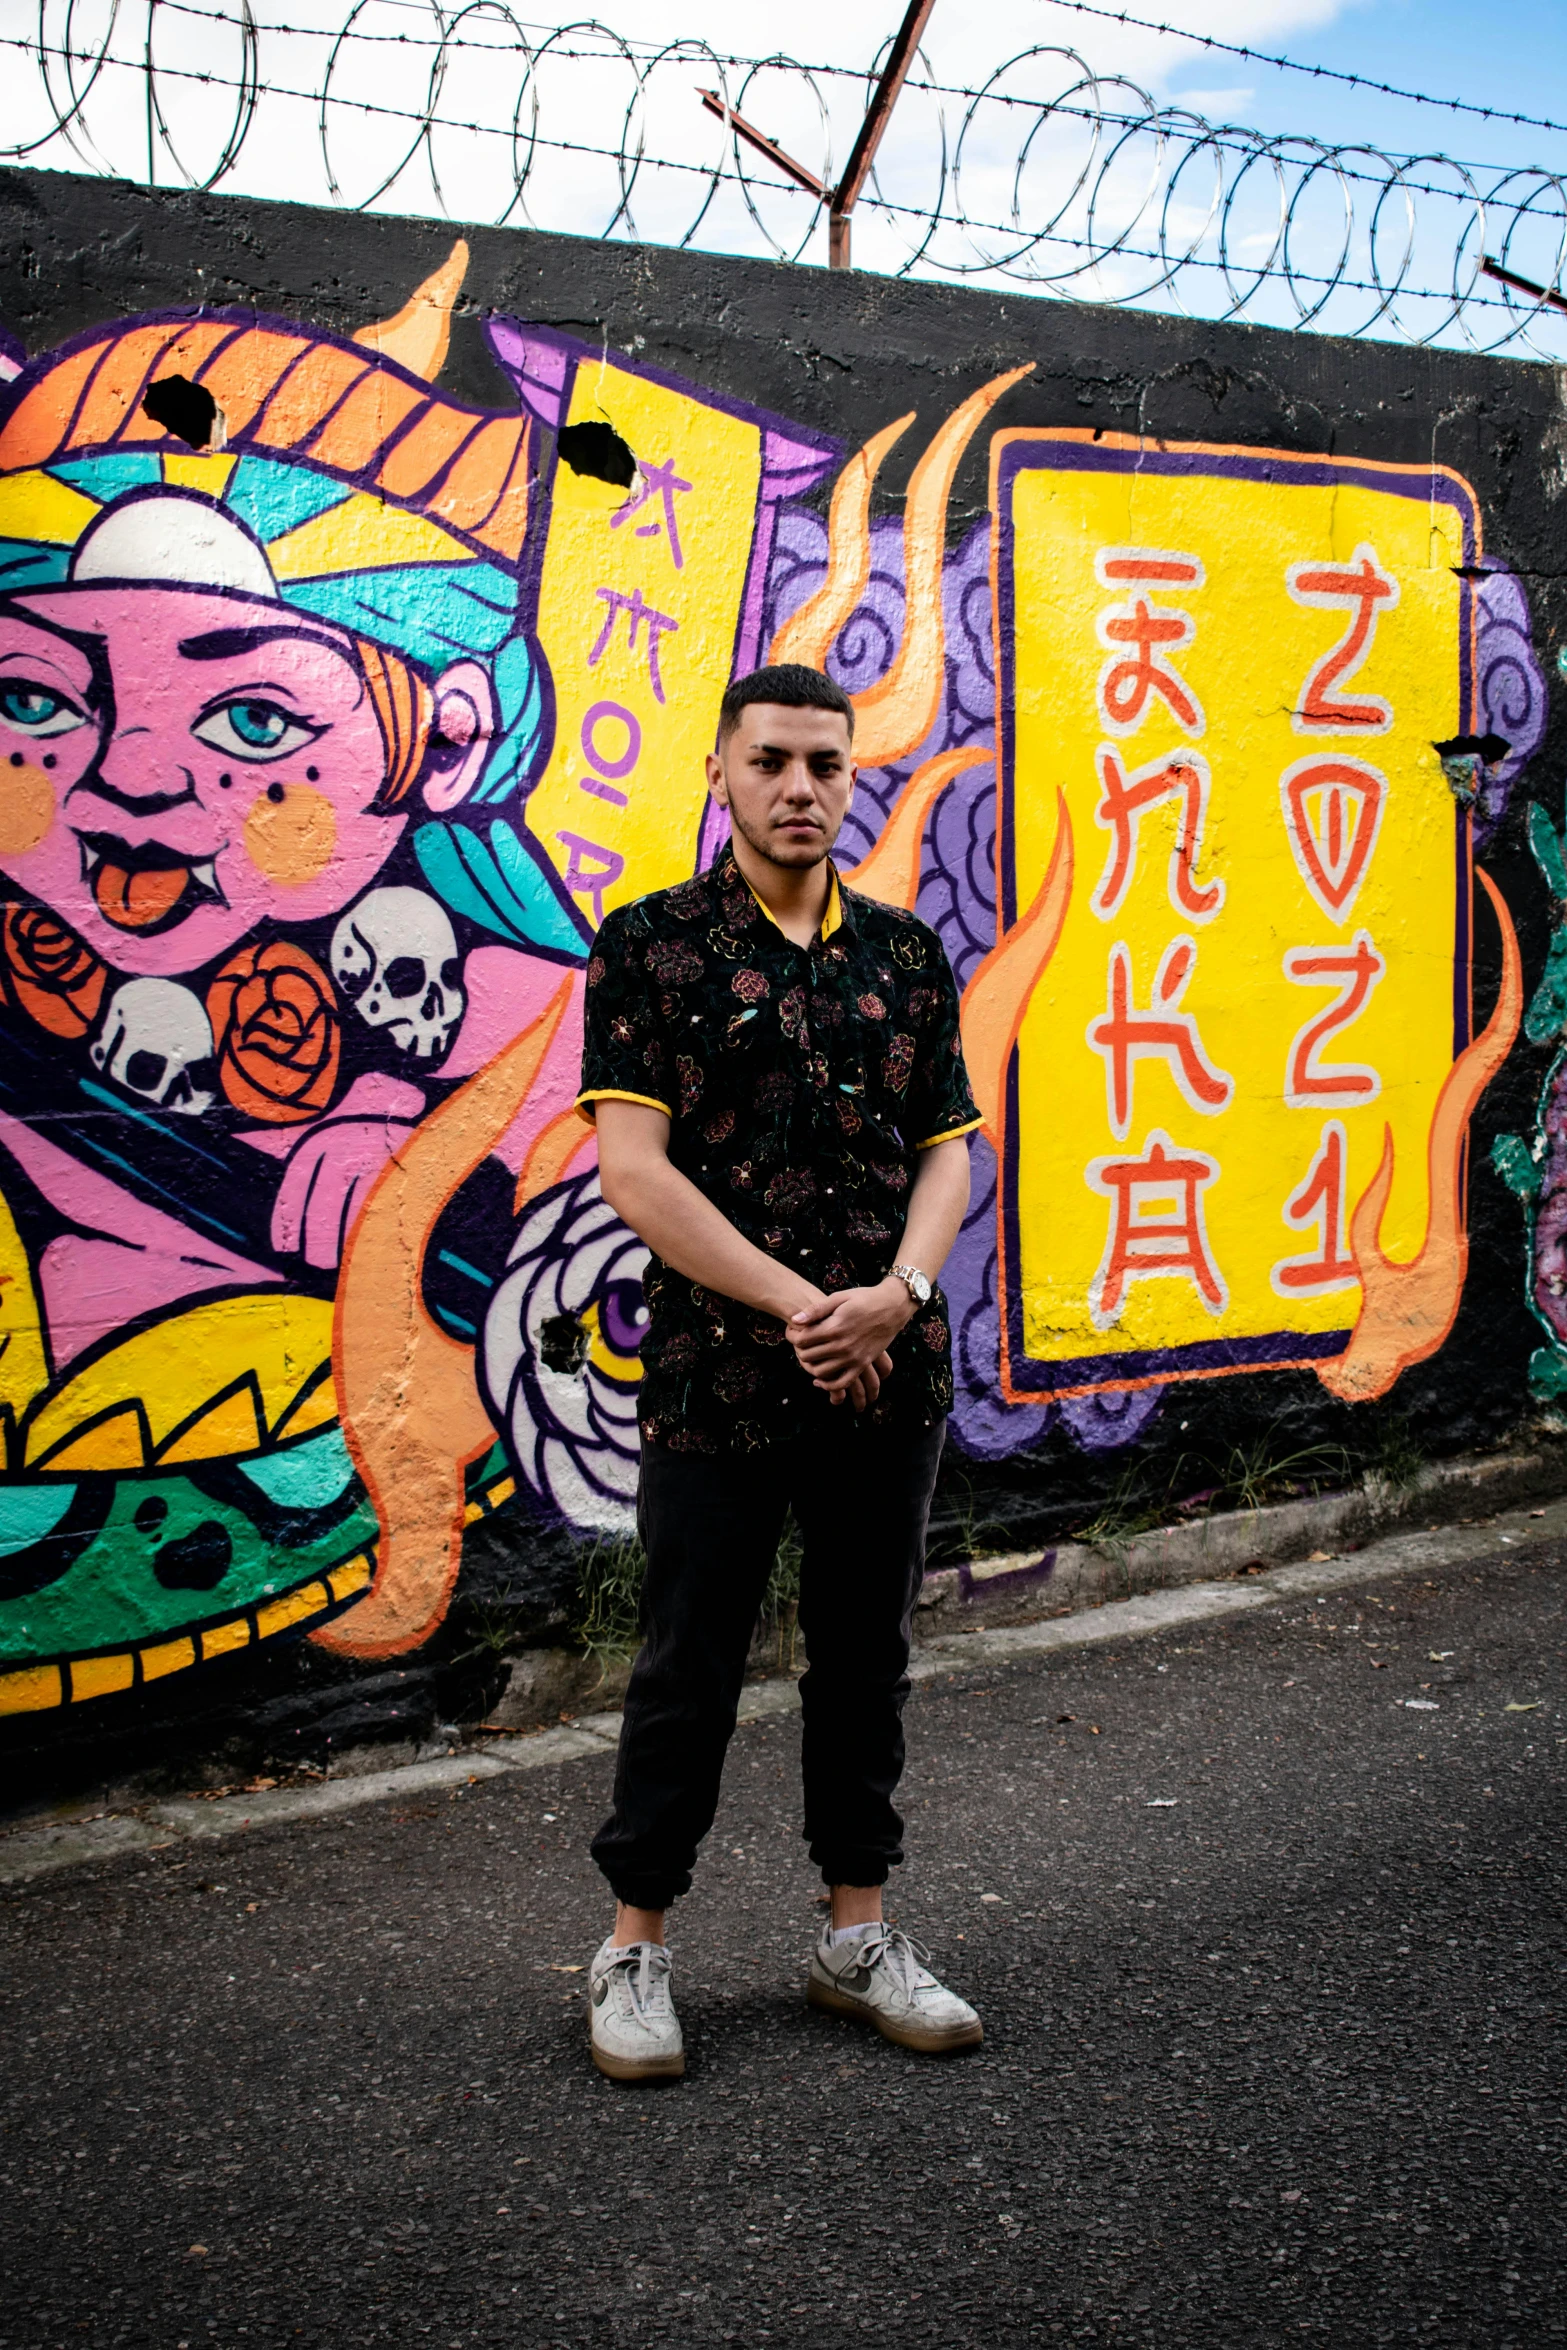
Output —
<point x="717" y="788"/>
<point x="461" y="733"/>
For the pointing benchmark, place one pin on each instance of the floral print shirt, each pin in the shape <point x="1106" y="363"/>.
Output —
<point x="799" y="1083"/>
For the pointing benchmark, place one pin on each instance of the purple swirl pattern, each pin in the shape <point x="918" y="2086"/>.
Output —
<point x="1512" y="697"/>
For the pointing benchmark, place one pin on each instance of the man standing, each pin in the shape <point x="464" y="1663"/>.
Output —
<point x="774" y="1066"/>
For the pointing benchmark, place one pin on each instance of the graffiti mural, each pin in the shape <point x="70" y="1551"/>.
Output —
<point x="335" y="713"/>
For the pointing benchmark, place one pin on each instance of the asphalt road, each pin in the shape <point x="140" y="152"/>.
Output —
<point x="1269" y="1955"/>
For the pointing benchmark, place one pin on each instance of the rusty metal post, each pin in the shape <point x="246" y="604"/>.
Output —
<point x="877" y="116"/>
<point x="840" y="201"/>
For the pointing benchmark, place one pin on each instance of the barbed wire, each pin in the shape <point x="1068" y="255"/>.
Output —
<point x="1044" y="174"/>
<point x="1317" y="73"/>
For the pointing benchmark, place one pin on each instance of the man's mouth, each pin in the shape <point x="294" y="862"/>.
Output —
<point x="148" y="888"/>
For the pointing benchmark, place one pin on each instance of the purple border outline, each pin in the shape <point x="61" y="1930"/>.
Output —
<point x="1026" y="453"/>
<point x="793" y="459"/>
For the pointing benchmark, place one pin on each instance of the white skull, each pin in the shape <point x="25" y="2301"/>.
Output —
<point x="156" y="1041"/>
<point x="394" y="956"/>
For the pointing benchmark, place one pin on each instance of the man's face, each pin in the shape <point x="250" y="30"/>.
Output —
<point x="180" y="765"/>
<point x="786" y="777"/>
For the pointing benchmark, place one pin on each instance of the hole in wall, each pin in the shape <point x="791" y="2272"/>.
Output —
<point x="187" y="410"/>
<point x="597" y="451"/>
<point x="563" y="1343"/>
<point x="1465" y="759"/>
<point x="1487" y="748"/>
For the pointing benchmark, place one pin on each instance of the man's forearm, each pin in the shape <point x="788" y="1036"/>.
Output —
<point x="681" y="1225"/>
<point x="938" y="1204"/>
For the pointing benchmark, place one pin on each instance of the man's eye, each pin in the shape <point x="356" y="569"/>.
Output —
<point x="37" y="709"/>
<point x="252" y="730"/>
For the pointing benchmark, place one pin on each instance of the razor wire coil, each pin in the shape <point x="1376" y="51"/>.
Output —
<point x="1044" y="174"/>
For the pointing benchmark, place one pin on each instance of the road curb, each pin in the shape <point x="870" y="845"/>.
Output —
<point x="68" y="1840"/>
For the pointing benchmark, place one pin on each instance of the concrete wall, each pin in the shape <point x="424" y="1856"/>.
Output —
<point x="365" y="608"/>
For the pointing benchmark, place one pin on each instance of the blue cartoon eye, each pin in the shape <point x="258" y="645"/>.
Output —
<point x="244" y="729"/>
<point x="37" y="709"/>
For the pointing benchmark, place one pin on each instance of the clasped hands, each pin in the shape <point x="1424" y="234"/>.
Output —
<point x="842" y="1340"/>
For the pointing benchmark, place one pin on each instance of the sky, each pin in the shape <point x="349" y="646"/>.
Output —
<point x="1447" y="48"/>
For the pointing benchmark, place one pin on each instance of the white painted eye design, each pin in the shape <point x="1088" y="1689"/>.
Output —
<point x="37" y="709"/>
<point x="559" y="1359"/>
<point x="249" y="728"/>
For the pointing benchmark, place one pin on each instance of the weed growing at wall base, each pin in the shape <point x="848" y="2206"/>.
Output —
<point x="606" y="1623"/>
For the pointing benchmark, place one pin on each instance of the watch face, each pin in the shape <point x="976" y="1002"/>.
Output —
<point x="921" y="1288"/>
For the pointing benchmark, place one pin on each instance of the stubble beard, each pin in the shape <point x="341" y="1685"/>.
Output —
<point x="799" y="858"/>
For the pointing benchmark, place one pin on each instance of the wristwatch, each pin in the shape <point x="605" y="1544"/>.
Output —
<point x="914" y="1282"/>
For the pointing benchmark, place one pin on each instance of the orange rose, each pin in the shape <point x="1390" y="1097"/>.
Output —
<point x="56" y="978"/>
<point x="275" y="1029"/>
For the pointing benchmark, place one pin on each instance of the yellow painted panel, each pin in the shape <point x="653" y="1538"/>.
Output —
<point x="640" y="644"/>
<point x="229" y="1427"/>
<point x="1181" y="617"/>
<point x="117" y="1443"/>
<point x="170" y="1656"/>
<point x="363" y="533"/>
<point x="200" y="473"/>
<point x="30" y="1691"/>
<point x="351" y="1577"/>
<point x="101" y="1676"/>
<point x="278" y="1614"/>
<point x="24" y="1365"/>
<point x="36" y="506"/>
<point x="223" y="1639"/>
<point x="179" y="1364"/>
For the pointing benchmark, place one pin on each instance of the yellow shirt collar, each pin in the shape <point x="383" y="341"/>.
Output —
<point x="830" y="920"/>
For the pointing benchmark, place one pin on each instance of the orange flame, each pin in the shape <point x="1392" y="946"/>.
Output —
<point x="1406" y="1311"/>
<point x="406" y="1392"/>
<point x="899" y="710"/>
<point x="890" y="873"/>
<point x="548" y="1162"/>
<point x="809" y="634"/>
<point x="996" y="998"/>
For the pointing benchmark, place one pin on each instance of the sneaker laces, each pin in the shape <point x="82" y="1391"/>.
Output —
<point x="646" y="1968"/>
<point x="902" y="1956"/>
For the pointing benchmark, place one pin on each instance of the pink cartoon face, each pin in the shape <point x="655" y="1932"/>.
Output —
<point x="186" y="762"/>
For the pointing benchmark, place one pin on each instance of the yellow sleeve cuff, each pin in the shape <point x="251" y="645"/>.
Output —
<point x="950" y="1135"/>
<point x="609" y="1093"/>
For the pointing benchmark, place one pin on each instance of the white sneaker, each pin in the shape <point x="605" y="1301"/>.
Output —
<point x="881" y="1979"/>
<point x="631" y="2016"/>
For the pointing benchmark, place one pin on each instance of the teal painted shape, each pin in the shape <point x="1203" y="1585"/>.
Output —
<point x="109" y="477"/>
<point x="29" y="1512"/>
<point x="305" y="1477"/>
<point x="1547" y="1014"/>
<point x="113" y="1597"/>
<point x="1515" y="1163"/>
<point x="498" y="885"/>
<point x="518" y="744"/>
<point x="1548" y="1374"/>
<point x="1547" y="850"/>
<point x="28" y="563"/>
<point x="432" y="613"/>
<point x="272" y="499"/>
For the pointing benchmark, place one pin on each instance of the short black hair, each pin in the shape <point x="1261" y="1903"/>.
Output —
<point x="792" y="686"/>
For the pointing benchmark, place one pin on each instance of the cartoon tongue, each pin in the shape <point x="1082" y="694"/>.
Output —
<point x="134" y="901"/>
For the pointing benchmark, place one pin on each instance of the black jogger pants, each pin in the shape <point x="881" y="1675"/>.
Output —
<point x="710" y="1527"/>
